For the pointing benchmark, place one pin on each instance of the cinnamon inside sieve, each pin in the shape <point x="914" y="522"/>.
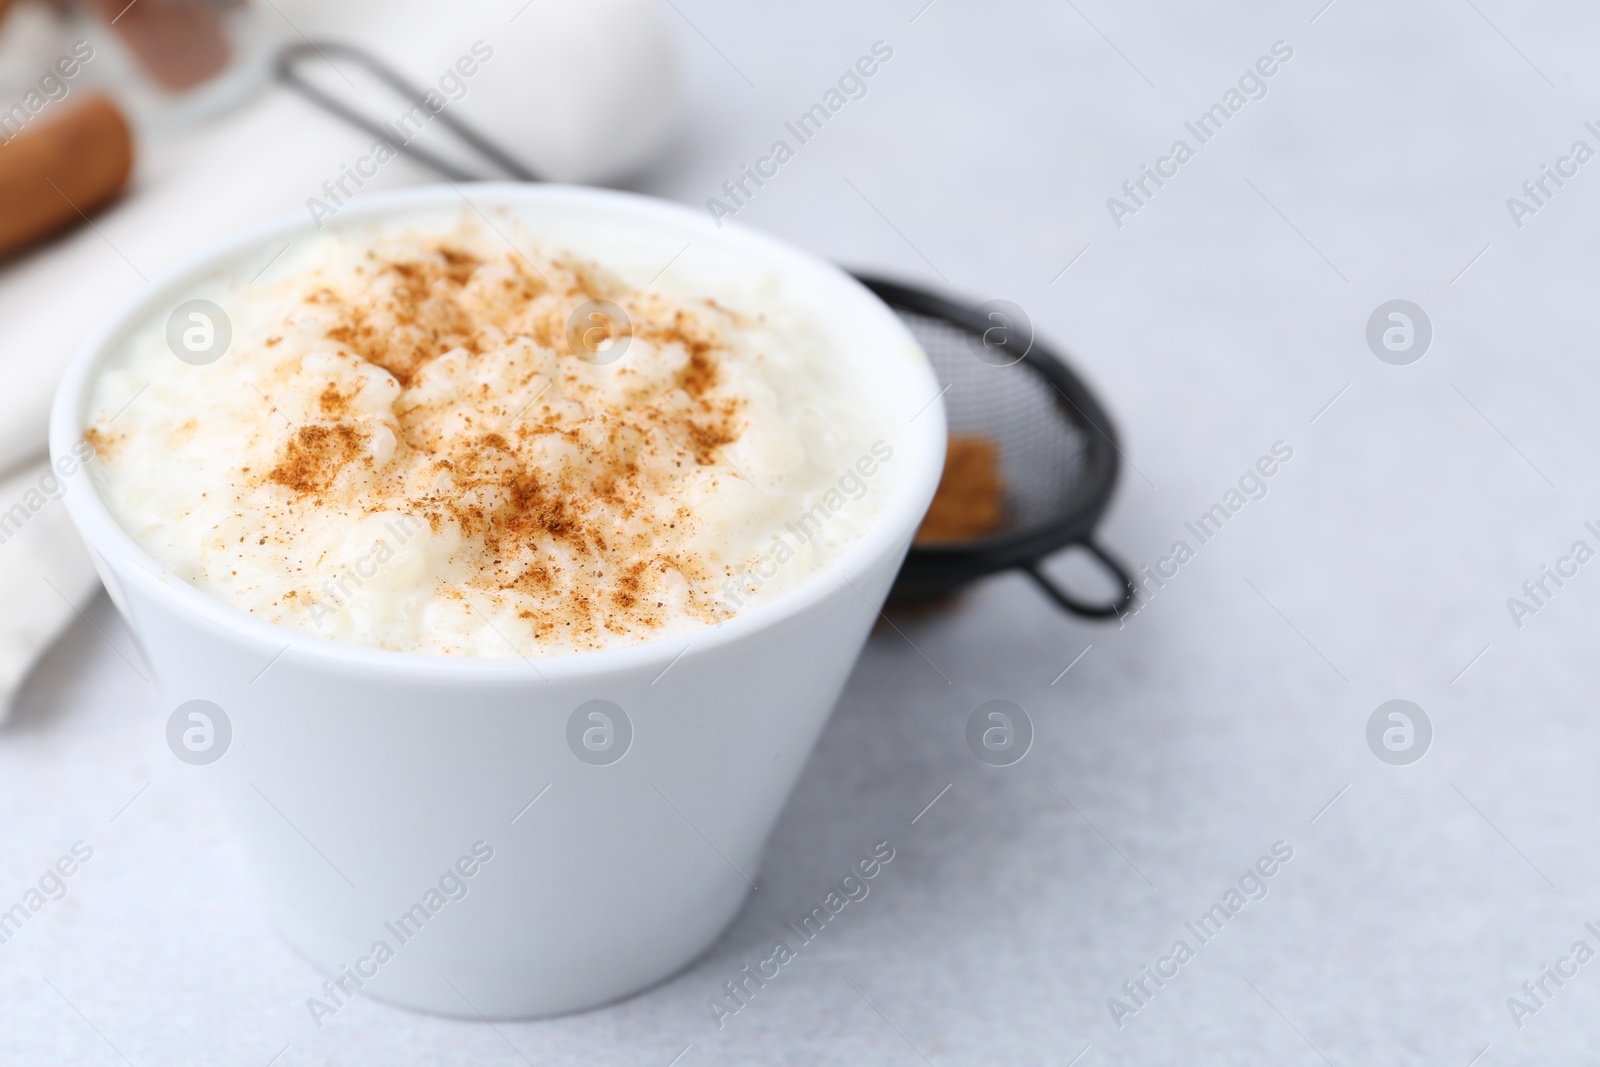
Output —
<point x="970" y="500"/>
<point x="1031" y="462"/>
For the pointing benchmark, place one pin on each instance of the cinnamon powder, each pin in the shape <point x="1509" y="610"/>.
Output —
<point x="314" y="456"/>
<point x="970" y="500"/>
<point x="571" y="501"/>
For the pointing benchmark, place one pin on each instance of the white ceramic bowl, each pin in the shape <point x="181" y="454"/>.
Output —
<point x="360" y="779"/>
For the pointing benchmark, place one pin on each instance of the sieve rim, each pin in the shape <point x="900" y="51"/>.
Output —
<point x="938" y="569"/>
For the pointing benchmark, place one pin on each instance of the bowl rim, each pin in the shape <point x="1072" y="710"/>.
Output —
<point x="889" y="533"/>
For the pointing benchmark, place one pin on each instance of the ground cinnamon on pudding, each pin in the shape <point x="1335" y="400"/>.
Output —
<point x="314" y="456"/>
<point x="101" y="442"/>
<point x="558" y="496"/>
<point x="971" y="496"/>
<point x="401" y="447"/>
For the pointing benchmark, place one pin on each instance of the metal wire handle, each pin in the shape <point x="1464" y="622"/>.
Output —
<point x="283" y="68"/>
<point x="1114" y="609"/>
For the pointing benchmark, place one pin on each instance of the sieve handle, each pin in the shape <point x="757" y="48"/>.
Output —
<point x="1079" y="607"/>
<point x="286" y="68"/>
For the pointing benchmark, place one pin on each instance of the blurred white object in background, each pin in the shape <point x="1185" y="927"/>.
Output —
<point x="581" y="92"/>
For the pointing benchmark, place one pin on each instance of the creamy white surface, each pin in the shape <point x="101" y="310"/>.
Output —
<point x="196" y="461"/>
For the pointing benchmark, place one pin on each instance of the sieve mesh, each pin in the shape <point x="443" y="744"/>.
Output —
<point x="1042" y="451"/>
<point x="1053" y="443"/>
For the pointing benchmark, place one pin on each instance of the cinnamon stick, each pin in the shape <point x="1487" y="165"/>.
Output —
<point x="58" y="172"/>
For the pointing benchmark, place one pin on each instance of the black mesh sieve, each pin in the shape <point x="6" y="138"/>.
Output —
<point x="1056" y="447"/>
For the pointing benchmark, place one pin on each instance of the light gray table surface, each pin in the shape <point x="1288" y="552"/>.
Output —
<point x="1227" y="314"/>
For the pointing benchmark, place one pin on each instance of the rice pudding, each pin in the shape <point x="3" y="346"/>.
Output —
<point x="466" y="436"/>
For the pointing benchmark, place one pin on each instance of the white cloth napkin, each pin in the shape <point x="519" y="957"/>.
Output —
<point x="45" y="574"/>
